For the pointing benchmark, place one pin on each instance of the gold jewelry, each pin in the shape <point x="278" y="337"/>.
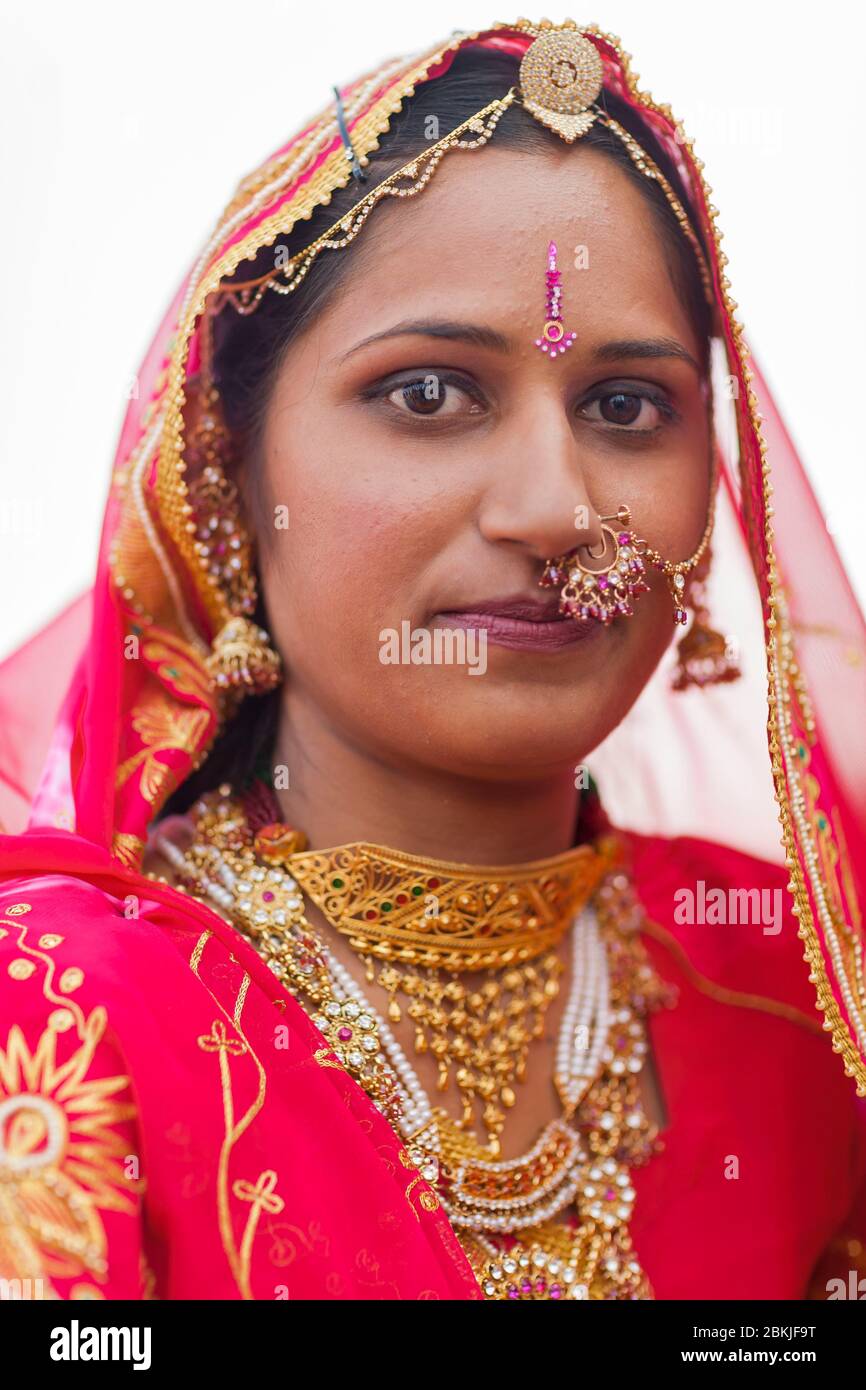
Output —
<point x="433" y="913"/>
<point x="561" y="77"/>
<point x="406" y="182"/>
<point x="676" y="572"/>
<point x="410" y="919"/>
<point x="593" y="1257"/>
<point x="580" y="1159"/>
<point x="241" y="657"/>
<point x="604" y="590"/>
<point x="267" y="908"/>
<point x="704" y="655"/>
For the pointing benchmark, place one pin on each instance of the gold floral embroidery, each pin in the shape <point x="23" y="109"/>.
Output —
<point x="835" y="903"/>
<point x="71" y="980"/>
<point x="834" y="864"/>
<point x="288" y="1241"/>
<point x="128" y="849"/>
<point x="163" y="728"/>
<point x="262" y="1197"/>
<point x="261" y="1194"/>
<point x="61" y="1158"/>
<point x="427" y="1198"/>
<point x="219" y="1043"/>
<point x="217" y="1040"/>
<point x="325" y="1058"/>
<point x="21" y="969"/>
<point x="179" y="668"/>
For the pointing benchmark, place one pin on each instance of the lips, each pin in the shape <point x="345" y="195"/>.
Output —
<point x="521" y="623"/>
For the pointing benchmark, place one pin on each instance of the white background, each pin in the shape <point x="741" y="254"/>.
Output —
<point x="125" y="128"/>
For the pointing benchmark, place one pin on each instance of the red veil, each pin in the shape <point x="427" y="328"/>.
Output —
<point x="775" y="764"/>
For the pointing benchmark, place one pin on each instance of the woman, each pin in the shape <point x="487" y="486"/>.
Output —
<point x="326" y="975"/>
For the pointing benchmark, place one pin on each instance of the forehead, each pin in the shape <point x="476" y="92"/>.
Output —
<point x="476" y="241"/>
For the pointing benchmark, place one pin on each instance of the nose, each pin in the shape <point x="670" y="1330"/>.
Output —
<point x="538" y="496"/>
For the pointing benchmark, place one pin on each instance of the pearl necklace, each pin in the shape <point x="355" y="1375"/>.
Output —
<point x="601" y="1050"/>
<point x="586" y="1015"/>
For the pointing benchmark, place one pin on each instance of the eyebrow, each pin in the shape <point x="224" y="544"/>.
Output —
<point x="476" y="334"/>
<point x="481" y="335"/>
<point x="645" y="348"/>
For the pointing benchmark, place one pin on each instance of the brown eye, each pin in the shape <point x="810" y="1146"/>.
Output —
<point x="628" y="409"/>
<point x="432" y="394"/>
<point x="425" y="396"/>
<point x="621" y="409"/>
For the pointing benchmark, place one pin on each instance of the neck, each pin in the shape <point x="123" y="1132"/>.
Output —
<point x="339" y="793"/>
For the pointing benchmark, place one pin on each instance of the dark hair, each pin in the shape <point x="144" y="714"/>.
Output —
<point x="249" y="350"/>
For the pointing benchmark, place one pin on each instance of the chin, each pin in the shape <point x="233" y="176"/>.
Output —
<point x="519" y="741"/>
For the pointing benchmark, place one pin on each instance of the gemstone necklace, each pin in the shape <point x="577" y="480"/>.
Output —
<point x="552" y="1223"/>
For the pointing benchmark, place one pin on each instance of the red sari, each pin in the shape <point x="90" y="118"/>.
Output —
<point x="203" y="1159"/>
<point x="162" y="1135"/>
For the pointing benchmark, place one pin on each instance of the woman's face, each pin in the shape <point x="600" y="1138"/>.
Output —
<point x="432" y="458"/>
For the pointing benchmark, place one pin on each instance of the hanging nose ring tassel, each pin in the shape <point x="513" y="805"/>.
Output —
<point x="605" y="591"/>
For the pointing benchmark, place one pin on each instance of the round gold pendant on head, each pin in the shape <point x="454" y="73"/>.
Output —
<point x="562" y="72"/>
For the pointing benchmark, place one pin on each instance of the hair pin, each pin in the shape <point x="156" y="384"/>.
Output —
<point x="351" y="156"/>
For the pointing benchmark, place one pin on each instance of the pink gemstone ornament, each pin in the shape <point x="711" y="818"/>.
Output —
<point x="610" y="587"/>
<point x="554" y="339"/>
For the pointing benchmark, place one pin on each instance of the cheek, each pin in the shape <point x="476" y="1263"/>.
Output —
<point x="359" y="536"/>
<point x="669" y="500"/>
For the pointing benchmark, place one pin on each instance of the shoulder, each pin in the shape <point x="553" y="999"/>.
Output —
<point x="688" y="882"/>
<point x="729" y="913"/>
<point x="663" y="862"/>
<point x="69" y="942"/>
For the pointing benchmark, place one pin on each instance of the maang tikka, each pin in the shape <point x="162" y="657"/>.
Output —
<point x="242" y="659"/>
<point x="554" y="338"/>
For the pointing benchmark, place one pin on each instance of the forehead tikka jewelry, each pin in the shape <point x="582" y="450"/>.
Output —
<point x="561" y="79"/>
<point x="554" y="338"/>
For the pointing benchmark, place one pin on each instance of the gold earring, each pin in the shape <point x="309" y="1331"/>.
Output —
<point x="705" y="656"/>
<point x="241" y="658"/>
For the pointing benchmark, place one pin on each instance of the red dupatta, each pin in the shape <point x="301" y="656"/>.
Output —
<point x="130" y="731"/>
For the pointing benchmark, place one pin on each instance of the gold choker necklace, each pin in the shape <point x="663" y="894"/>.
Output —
<point x="553" y="1223"/>
<point x="417" y="924"/>
<point x="410" y="918"/>
<point x="441" y="915"/>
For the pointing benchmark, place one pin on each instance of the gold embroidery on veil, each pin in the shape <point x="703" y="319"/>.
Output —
<point x="819" y="883"/>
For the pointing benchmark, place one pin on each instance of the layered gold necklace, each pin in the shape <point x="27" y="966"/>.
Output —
<point x="552" y="1223"/>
